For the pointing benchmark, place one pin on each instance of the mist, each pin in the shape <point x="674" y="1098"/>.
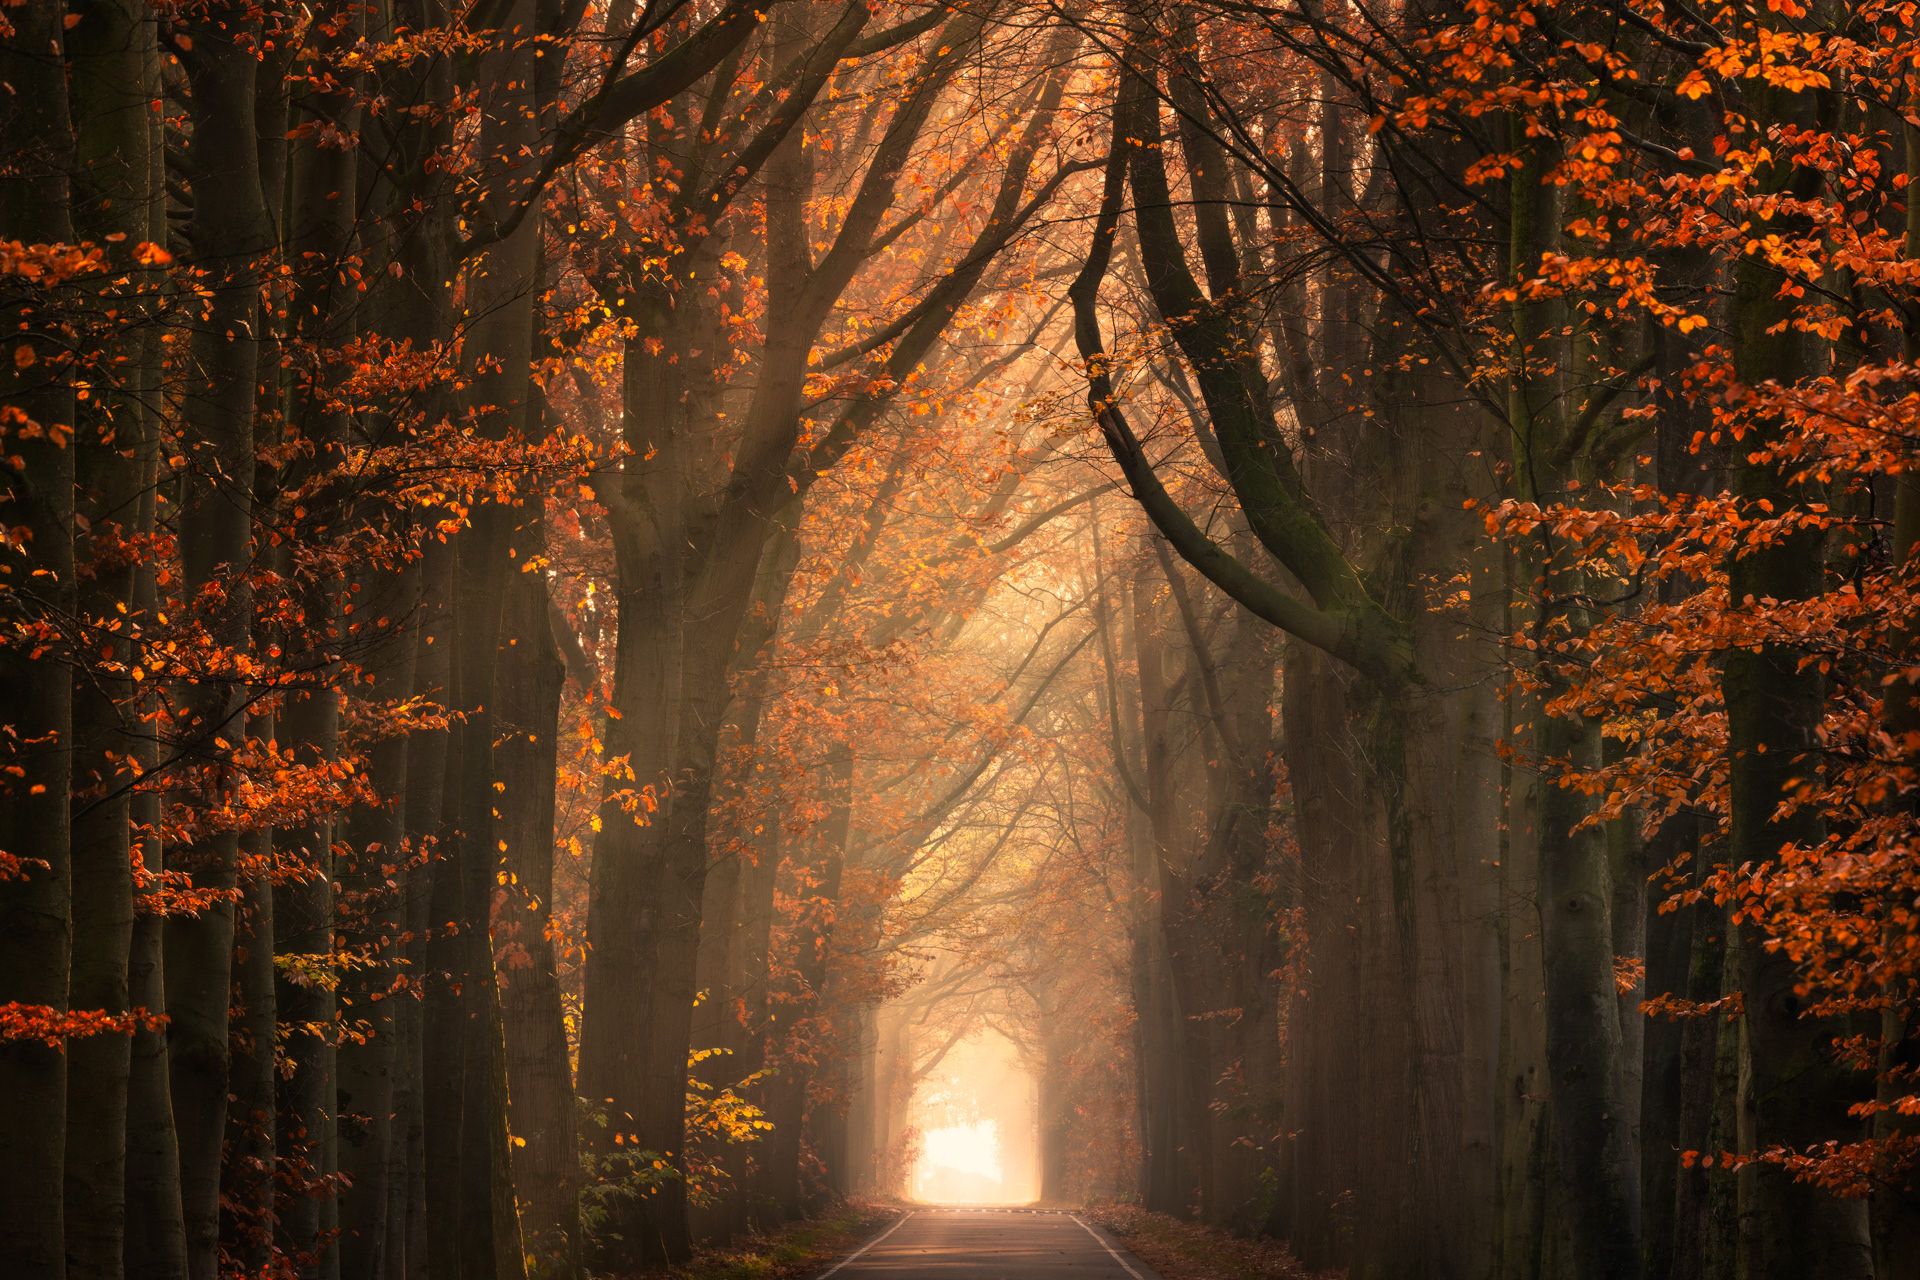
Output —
<point x="629" y="628"/>
<point x="977" y="1127"/>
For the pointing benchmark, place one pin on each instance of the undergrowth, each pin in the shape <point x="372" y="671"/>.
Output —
<point x="799" y="1249"/>
<point x="1190" y="1251"/>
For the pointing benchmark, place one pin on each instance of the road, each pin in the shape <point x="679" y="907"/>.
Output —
<point x="990" y="1244"/>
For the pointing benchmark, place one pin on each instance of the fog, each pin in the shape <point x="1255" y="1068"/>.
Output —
<point x="977" y="1122"/>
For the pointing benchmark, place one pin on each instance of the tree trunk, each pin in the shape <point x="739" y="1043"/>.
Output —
<point x="540" y="1082"/>
<point x="783" y="1187"/>
<point x="1173" y="1035"/>
<point x="372" y="999"/>
<point x="216" y="532"/>
<point x="113" y="81"/>
<point x="1703" y="1042"/>
<point x="753" y="981"/>
<point x="1798" y="1095"/>
<point x="1343" y="1110"/>
<point x="156" y="1244"/>
<point x="38" y="572"/>
<point x="471" y="1224"/>
<point x="425" y="809"/>
<point x="681" y="610"/>
<point x="319" y="235"/>
<point x="1669" y="953"/>
<point x="251" y="1170"/>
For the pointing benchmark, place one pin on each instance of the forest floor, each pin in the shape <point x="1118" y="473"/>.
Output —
<point x="1190" y="1251"/>
<point x="799" y="1249"/>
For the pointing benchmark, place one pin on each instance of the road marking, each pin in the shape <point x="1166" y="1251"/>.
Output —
<point x="869" y="1244"/>
<point x="1124" y="1264"/>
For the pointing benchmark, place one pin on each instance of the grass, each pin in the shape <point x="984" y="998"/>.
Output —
<point x="793" y="1251"/>
<point x="1189" y="1251"/>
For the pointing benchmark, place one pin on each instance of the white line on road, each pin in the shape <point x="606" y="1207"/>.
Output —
<point x="869" y="1244"/>
<point x="1125" y="1265"/>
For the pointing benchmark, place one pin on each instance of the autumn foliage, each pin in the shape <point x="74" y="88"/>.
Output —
<point x="593" y="595"/>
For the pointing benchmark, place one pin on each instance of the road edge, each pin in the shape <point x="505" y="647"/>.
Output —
<point x="1112" y="1252"/>
<point x="898" y="1223"/>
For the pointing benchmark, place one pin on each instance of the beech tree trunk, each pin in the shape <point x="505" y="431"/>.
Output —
<point x="1798" y="1094"/>
<point x="250" y="1192"/>
<point x="373" y="1001"/>
<point x="155" y="1247"/>
<point x="540" y="1094"/>
<point x="35" y="912"/>
<point x="230" y="220"/>
<point x="471" y="1225"/>
<point x="425" y="814"/>
<point x="113" y="80"/>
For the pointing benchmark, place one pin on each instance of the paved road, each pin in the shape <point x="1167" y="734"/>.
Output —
<point x="990" y="1244"/>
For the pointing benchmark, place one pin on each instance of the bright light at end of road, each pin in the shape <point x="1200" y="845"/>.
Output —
<point x="960" y="1164"/>
<point x="968" y="1148"/>
<point x="976" y="1128"/>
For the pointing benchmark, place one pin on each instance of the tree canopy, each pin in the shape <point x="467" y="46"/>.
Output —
<point x="612" y="612"/>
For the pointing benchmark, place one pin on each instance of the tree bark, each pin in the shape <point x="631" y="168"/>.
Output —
<point x="112" y="82"/>
<point x="38" y="572"/>
<point x="1798" y="1094"/>
<point x="540" y="1093"/>
<point x="250" y="1190"/>
<point x="319" y="234"/>
<point x="424" y="816"/>
<point x="228" y="231"/>
<point x="373" y="915"/>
